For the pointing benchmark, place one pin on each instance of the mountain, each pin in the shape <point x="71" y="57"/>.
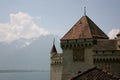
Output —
<point x="33" y="56"/>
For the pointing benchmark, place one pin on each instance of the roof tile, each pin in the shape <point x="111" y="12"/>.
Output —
<point x="85" y="28"/>
<point x="103" y="45"/>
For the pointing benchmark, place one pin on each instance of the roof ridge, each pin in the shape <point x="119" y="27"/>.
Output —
<point x="88" y="24"/>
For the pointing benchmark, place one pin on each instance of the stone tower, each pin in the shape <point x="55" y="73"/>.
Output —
<point x="85" y="46"/>
<point x="77" y="46"/>
<point x="56" y="64"/>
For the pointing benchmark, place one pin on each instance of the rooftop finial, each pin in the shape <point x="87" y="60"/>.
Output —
<point x="85" y="11"/>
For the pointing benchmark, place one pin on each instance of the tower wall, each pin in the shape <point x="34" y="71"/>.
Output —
<point x="55" y="72"/>
<point x="77" y="57"/>
<point x="56" y="67"/>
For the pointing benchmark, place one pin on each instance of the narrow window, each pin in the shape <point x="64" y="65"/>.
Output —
<point x="86" y="45"/>
<point x="112" y="51"/>
<point x="119" y="46"/>
<point x="96" y="52"/>
<point x="103" y="52"/>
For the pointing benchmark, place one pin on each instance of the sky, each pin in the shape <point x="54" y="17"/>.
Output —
<point x="27" y="27"/>
<point x="58" y="16"/>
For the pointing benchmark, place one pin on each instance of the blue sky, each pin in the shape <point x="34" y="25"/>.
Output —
<point x="23" y="22"/>
<point x="61" y="15"/>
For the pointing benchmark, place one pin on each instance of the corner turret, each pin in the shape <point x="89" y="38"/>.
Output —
<point x="55" y="64"/>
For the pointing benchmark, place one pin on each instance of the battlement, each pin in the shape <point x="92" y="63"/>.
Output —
<point x="106" y="58"/>
<point x="56" y="59"/>
<point x="77" y="43"/>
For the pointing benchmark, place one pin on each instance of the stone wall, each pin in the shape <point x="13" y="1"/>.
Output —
<point x="55" y="72"/>
<point x="75" y="59"/>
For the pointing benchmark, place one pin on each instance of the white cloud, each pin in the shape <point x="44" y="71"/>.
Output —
<point x="112" y="34"/>
<point x="25" y="44"/>
<point x="20" y="26"/>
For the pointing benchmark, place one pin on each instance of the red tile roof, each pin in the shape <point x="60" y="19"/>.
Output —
<point x="95" y="74"/>
<point x="84" y="28"/>
<point x="104" y="44"/>
<point x="53" y="50"/>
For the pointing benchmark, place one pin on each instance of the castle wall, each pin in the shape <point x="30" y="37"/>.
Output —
<point x="109" y="61"/>
<point x="79" y="56"/>
<point x="86" y="63"/>
<point x="75" y="59"/>
<point x="55" y="72"/>
<point x="113" y="68"/>
<point x="56" y="67"/>
<point x="67" y="64"/>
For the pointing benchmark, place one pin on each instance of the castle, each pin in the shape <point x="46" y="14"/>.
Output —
<point x="85" y="46"/>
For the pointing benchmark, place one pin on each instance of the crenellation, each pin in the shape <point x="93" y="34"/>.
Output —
<point x="56" y="59"/>
<point x="102" y="52"/>
<point x="77" y="43"/>
<point x="106" y="60"/>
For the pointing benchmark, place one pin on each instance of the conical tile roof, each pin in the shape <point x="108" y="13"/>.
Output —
<point x="53" y="50"/>
<point x="84" y="28"/>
